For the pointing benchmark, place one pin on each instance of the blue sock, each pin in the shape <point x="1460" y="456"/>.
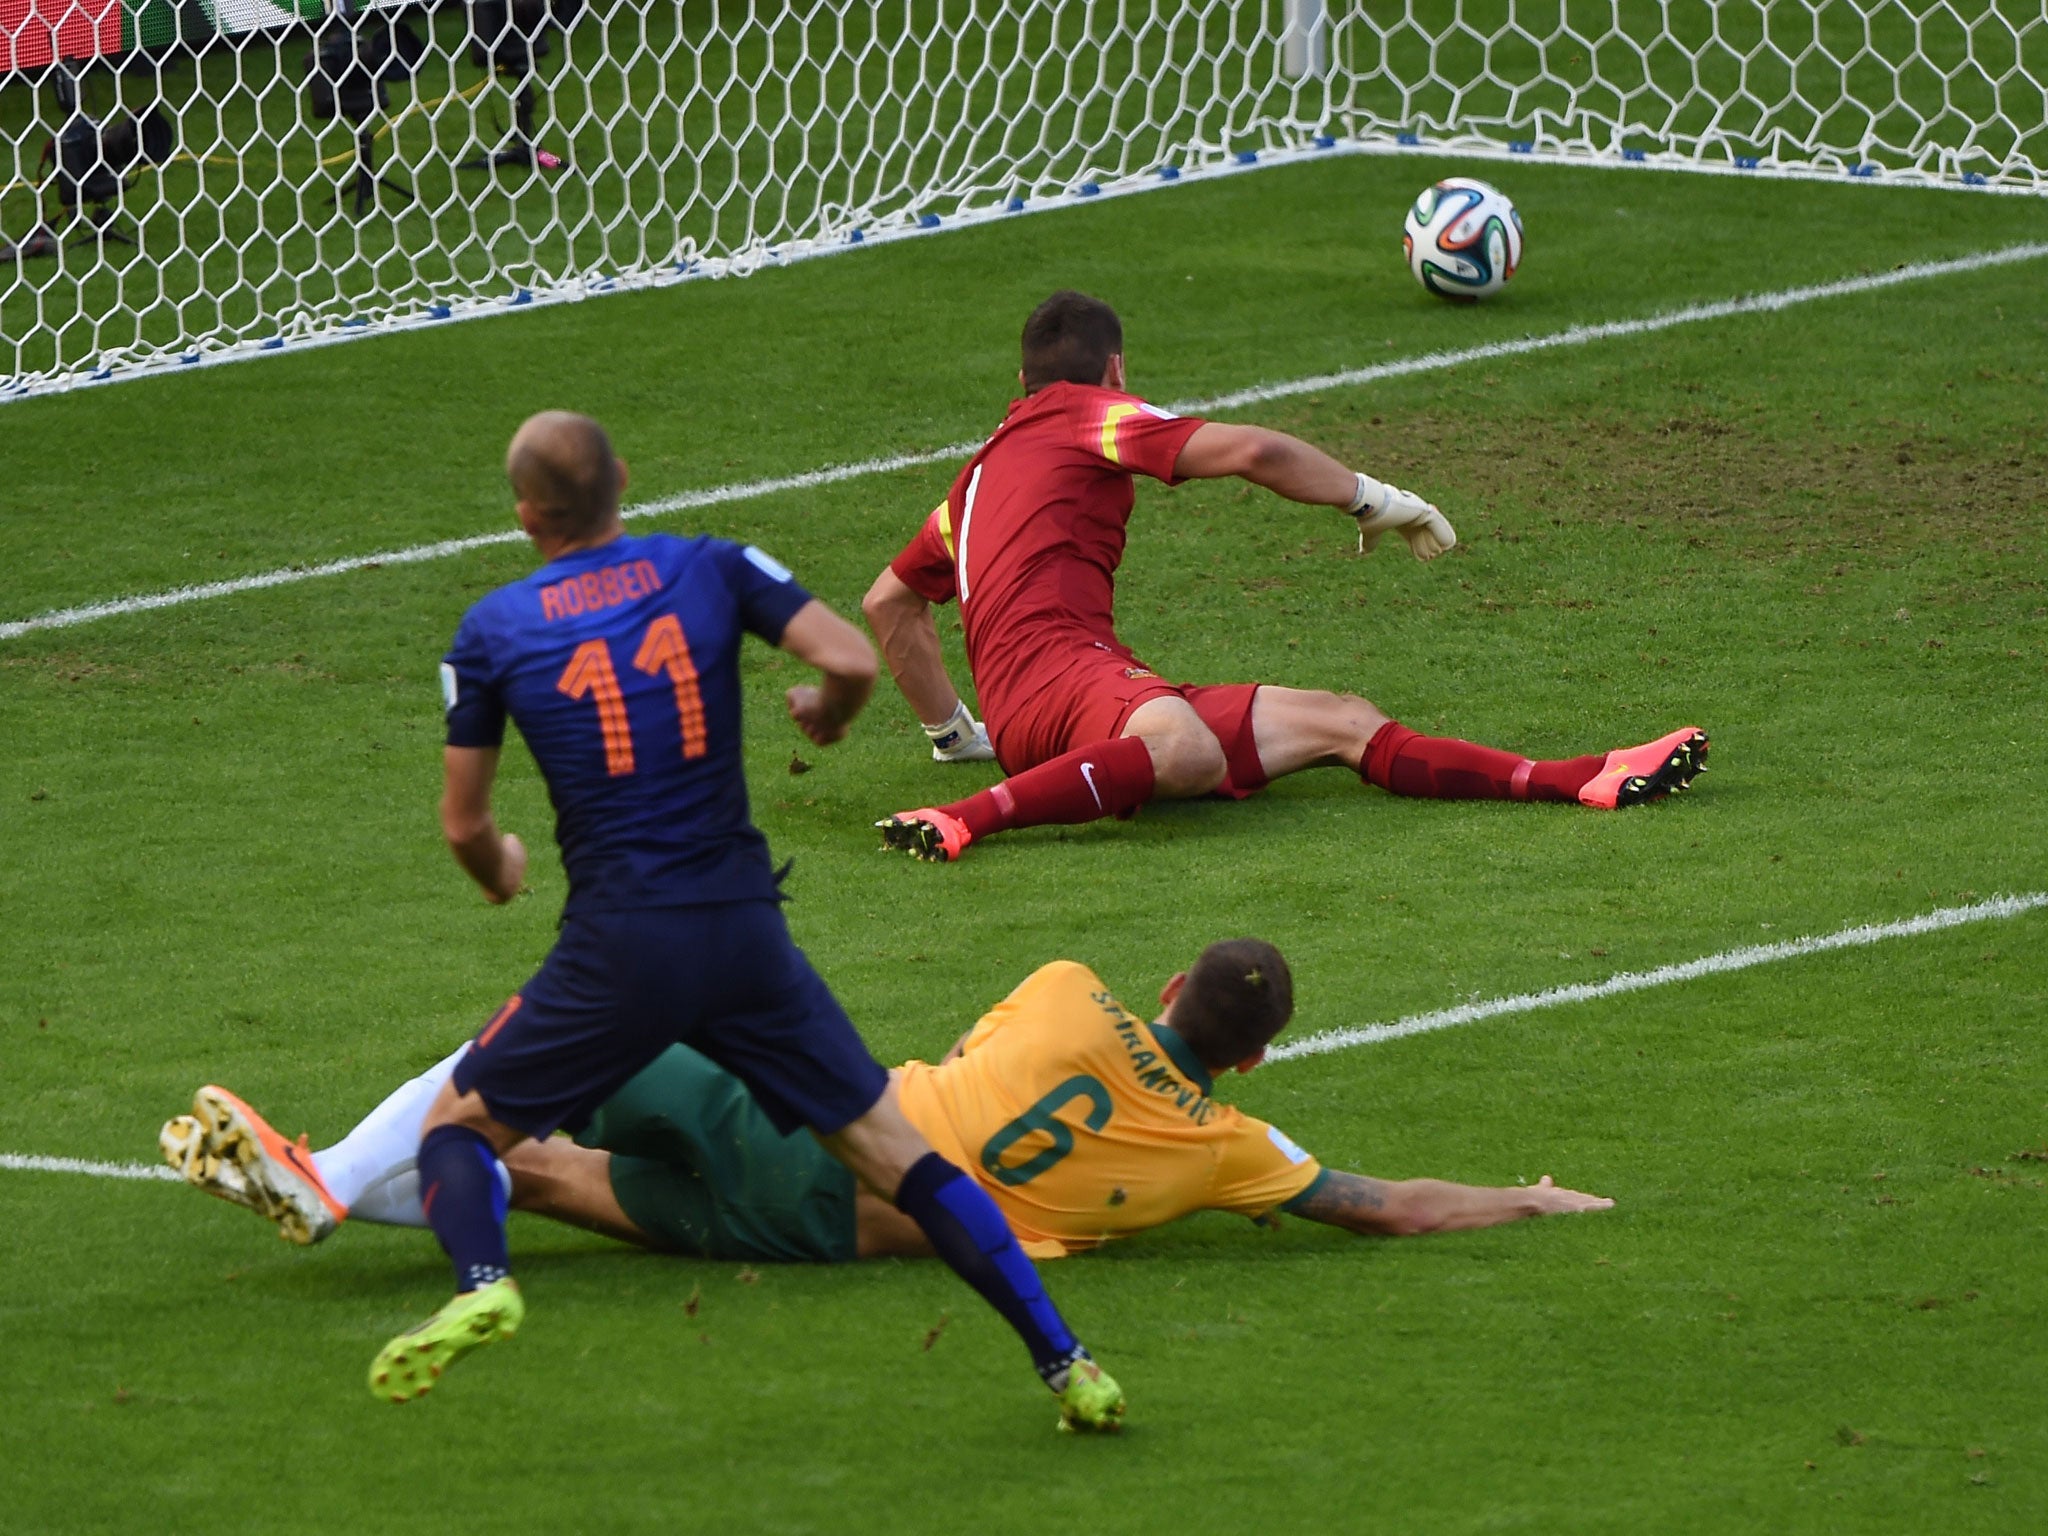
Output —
<point x="465" y="1203"/>
<point x="969" y="1233"/>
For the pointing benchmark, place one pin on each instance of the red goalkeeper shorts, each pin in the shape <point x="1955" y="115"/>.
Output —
<point x="1092" y="698"/>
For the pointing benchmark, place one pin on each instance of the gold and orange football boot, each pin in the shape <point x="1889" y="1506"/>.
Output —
<point x="278" y="1176"/>
<point x="183" y="1144"/>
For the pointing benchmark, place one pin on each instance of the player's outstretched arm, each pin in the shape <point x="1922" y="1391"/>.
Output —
<point x="1410" y="1207"/>
<point x="494" y="860"/>
<point x="820" y="638"/>
<point x="909" y="637"/>
<point x="1302" y="472"/>
<point x="1284" y="465"/>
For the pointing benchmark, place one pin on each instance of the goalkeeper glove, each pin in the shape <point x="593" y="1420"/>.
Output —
<point x="1379" y="507"/>
<point x="960" y="738"/>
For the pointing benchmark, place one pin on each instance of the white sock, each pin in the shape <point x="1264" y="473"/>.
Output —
<point x="384" y="1143"/>
<point x="394" y="1199"/>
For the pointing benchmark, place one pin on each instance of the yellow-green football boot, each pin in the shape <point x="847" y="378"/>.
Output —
<point x="1093" y="1403"/>
<point x="410" y="1364"/>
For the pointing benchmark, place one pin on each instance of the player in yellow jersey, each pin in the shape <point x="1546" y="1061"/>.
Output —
<point x="1082" y="1120"/>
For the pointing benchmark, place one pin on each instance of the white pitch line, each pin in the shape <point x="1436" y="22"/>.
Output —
<point x="747" y="490"/>
<point x="64" y="618"/>
<point x="1663" y="976"/>
<point x="1580" y="335"/>
<point x="29" y="1164"/>
<point x="1424" y="1023"/>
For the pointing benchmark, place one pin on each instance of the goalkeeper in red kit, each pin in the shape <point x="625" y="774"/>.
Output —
<point x="1028" y="541"/>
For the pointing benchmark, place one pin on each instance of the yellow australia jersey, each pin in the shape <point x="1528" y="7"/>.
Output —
<point x="1083" y="1122"/>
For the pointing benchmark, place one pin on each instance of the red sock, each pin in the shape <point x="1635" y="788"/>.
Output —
<point x="1444" y="768"/>
<point x="1111" y="778"/>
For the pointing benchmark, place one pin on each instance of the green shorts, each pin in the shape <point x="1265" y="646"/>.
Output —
<point x="701" y="1169"/>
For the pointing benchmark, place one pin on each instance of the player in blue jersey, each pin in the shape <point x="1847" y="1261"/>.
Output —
<point x="619" y="662"/>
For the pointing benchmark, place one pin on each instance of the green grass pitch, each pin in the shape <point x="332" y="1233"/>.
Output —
<point x="1817" y="533"/>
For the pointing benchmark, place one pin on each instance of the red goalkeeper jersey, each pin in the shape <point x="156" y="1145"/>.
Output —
<point x="1031" y="534"/>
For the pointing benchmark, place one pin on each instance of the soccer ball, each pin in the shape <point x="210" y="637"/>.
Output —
<point x="1463" y="239"/>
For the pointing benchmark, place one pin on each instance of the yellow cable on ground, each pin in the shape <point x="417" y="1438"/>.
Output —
<point x="416" y="106"/>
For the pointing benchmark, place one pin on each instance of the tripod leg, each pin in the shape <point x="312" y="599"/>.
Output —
<point x="522" y="110"/>
<point x="102" y="221"/>
<point x="368" y="179"/>
<point x="519" y="147"/>
<point x="40" y="241"/>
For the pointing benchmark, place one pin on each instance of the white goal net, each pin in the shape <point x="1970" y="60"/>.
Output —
<point x="187" y="180"/>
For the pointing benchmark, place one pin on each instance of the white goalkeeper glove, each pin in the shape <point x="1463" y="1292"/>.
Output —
<point x="960" y="739"/>
<point x="1378" y="507"/>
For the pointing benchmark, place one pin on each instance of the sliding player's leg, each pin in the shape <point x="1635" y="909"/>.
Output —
<point x="682" y="1160"/>
<point x="705" y="1172"/>
<point x="227" y="1149"/>
<point x="1300" y="728"/>
<point x="696" y="1166"/>
<point x="372" y="1169"/>
<point x="576" y="1185"/>
<point x="744" y="1192"/>
<point x="231" y="1152"/>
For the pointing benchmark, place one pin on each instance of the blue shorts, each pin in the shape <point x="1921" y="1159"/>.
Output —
<point x="619" y="988"/>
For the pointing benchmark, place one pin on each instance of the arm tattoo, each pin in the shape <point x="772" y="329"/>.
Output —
<point x="1345" y="1200"/>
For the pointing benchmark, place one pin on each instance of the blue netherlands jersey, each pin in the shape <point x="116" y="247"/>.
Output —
<point x="620" y="666"/>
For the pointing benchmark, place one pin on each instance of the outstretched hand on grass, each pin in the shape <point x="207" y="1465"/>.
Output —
<point x="1552" y="1200"/>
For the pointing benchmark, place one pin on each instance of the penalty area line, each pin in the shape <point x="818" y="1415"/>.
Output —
<point x="836" y="474"/>
<point x="1663" y="976"/>
<point x="1424" y="1023"/>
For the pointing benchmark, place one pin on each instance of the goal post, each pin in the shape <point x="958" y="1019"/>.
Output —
<point x="1305" y="40"/>
<point x="188" y="180"/>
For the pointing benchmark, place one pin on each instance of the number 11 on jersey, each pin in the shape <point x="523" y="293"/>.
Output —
<point x="663" y="649"/>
